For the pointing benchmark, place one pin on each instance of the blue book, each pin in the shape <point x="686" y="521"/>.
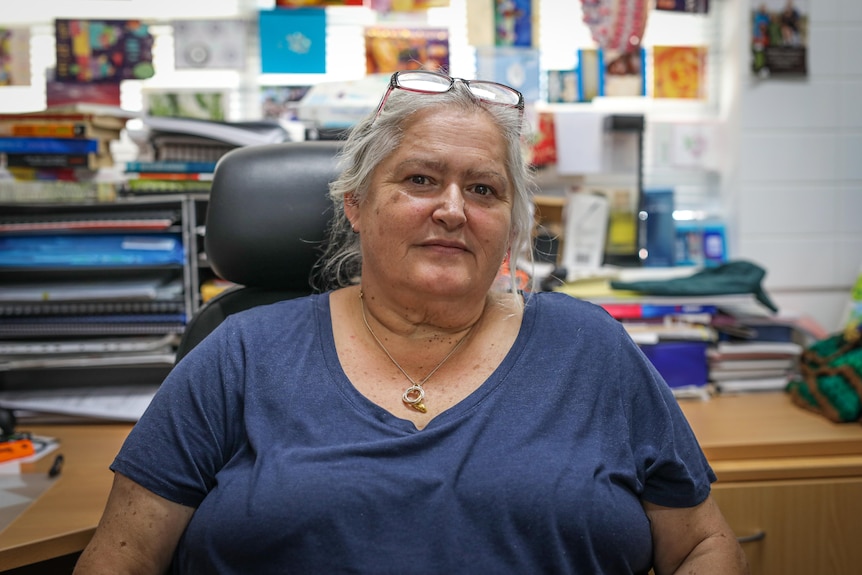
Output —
<point x="25" y="145"/>
<point x="85" y="250"/>
<point x="171" y="167"/>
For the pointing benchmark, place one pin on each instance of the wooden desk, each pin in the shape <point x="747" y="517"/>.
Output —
<point x="62" y="520"/>
<point x="789" y="479"/>
<point x="782" y="471"/>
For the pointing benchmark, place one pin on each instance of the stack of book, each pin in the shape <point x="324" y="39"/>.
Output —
<point x="675" y="334"/>
<point x="53" y="150"/>
<point x="196" y="140"/>
<point x="753" y="365"/>
<point x="164" y="176"/>
<point x="55" y="142"/>
<point x="178" y="155"/>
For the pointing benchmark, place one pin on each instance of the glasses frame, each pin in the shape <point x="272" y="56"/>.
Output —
<point x="394" y="84"/>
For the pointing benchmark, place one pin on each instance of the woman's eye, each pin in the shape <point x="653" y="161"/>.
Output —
<point x="419" y="180"/>
<point x="483" y="190"/>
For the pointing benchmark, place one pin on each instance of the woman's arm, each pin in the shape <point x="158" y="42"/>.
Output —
<point x="137" y="534"/>
<point x="694" y="540"/>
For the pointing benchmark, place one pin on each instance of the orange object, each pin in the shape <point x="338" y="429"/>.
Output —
<point x="15" y="448"/>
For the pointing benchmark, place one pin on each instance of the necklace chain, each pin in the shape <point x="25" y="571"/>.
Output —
<point x="413" y="396"/>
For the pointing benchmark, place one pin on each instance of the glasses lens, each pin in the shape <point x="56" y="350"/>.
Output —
<point x="422" y="81"/>
<point x="497" y="93"/>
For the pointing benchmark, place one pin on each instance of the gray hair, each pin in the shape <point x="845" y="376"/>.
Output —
<point x="373" y="139"/>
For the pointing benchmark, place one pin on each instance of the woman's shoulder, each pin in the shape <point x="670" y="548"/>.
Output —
<point x="563" y="306"/>
<point x="281" y="312"/>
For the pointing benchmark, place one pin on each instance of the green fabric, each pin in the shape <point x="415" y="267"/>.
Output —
<point x="731" y="278"/>
<point x="830" y="378"/>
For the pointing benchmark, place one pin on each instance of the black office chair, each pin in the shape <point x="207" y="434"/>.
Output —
<point x="266" y="224"/>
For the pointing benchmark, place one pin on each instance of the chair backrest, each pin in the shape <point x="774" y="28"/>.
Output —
<point x="266" y="222"/>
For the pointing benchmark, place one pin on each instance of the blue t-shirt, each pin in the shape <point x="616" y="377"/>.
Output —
<point x="540" y="470"/>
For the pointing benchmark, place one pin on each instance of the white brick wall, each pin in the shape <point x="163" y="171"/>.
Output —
<point x="795" y="181"/>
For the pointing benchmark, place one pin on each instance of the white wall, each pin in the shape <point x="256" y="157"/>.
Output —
<point x="795" y="177"/>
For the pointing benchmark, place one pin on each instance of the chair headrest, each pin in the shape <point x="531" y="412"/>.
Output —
<point x="269" y="211"/>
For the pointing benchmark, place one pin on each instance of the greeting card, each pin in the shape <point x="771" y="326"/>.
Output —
<point x="391" y="49"/>
<point x="103" y="50"/>
<point x="213" y="44"/>
<point x="293" y="41"/>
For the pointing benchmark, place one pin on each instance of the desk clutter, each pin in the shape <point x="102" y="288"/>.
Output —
<point x="706" y="330"/>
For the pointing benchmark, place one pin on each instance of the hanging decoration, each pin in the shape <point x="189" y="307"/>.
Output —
<point x="616" y="24"/>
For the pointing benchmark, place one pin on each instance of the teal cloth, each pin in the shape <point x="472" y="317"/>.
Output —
<point x="731" y="278"/>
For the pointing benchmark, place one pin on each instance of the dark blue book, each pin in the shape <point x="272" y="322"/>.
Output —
<point x="24" y="145"/>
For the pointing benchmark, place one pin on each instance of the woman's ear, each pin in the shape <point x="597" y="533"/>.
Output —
<point x="351" y="210"/>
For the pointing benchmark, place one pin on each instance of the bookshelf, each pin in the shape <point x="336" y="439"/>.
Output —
<point x="560" y="32"/>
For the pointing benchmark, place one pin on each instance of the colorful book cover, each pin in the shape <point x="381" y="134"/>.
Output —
<point x="690" y="6"/>
<point x="779" y="38"/>
<point x="679" y="72"/>
<point x="513" y="23"/>
<point x="515" y="67"/>
<point x="623" y="73"/>
<point x="14" y="57"/>
<point x="281" y="102"/>
<point x="209" y="44"/>
<point x="293" y="41"/>
<point x="389" y="49"/>
<point x="103" y="50"/>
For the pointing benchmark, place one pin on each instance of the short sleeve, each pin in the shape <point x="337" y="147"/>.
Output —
<point x="185" y="435"/>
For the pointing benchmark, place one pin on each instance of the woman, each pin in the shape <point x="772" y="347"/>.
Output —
<point x="414" y="420"/>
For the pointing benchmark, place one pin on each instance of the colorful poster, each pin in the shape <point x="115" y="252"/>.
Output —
<point x="388" y="49"/>
<point x="515" y="67"/>
<point x="293" y="41"/>
<point x="211" y="44"/>
<point x="103" y="50"/>
<point x="679" y="72"/>
<point x="14" y="57"/>
<point x="779" y="38"/>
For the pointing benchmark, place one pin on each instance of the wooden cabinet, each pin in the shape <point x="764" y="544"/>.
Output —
<point x="789" y="482"/>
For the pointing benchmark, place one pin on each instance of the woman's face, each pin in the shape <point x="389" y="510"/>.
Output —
<point x="437" y="218"/>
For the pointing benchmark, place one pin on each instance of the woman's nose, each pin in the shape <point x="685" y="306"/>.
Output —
<point x="451" y="209"/>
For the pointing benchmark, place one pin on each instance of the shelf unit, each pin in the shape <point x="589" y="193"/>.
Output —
<point x="51" y="336"/>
